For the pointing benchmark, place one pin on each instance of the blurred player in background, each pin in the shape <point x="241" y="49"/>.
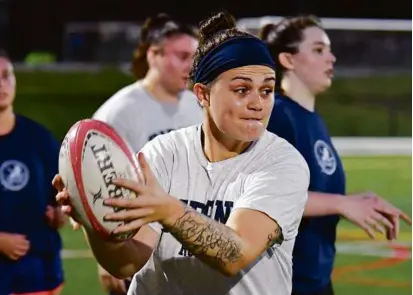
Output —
<point x="158" y="102"/>
<point x="30" y="243"/>
<point x="302" y="52"/>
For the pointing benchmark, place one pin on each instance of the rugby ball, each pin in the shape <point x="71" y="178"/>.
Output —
<point x="92" y="154"/>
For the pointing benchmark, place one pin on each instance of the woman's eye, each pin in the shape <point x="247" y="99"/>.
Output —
<point x="268" y="91"/>
<point x="241" y="90"/>
<point x="319" y="50"/>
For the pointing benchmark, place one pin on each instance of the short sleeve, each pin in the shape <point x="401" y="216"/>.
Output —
<point x="159" y="156"/>
<point x="281" y="124"/>
<point x="280" y="192"/>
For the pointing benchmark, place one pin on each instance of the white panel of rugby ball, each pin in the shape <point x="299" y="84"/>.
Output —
<point x="91" y="156"/>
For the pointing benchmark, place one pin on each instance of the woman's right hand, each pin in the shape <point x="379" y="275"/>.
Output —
<point x="62" y="199"/>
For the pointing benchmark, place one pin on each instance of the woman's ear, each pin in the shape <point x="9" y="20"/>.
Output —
<point x="286" y="60"/>
<point x="151" y="54"/>
<point x="202" y="93"/>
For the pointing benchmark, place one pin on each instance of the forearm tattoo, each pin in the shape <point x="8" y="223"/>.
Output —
<point x="276" y="237"/>
<point x="212" y="242"/>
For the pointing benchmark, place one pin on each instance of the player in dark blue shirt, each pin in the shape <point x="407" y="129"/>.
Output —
<point x="30" y="243"/>
<point x="305" y="62"/>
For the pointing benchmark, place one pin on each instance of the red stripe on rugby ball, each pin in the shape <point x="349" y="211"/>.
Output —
<point x="76" y="146"/>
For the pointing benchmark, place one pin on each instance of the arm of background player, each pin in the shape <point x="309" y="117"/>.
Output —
<point x="322" y="204"/>
<point x="367" y="210"/>
<point x="124" y="259"/>
<point x="268" y="212"/>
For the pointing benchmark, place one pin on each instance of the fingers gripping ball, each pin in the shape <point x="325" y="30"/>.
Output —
<point x="92" y="155"/>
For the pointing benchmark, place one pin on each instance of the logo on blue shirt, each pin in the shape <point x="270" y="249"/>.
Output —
<point x="325" y="157"/>
<point x="14" y="175"/>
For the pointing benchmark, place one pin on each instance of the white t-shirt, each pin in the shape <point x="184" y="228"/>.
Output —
<point x="271" y="177"/>
<point x="138" y="117"/>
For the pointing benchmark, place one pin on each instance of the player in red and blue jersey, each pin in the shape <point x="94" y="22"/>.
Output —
<point x="30" y="243"/>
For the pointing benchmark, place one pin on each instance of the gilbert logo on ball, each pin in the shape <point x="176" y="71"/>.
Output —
<point x="91" y="156"/>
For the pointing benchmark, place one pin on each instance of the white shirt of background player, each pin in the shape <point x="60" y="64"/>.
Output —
<point x="138" y="117"/>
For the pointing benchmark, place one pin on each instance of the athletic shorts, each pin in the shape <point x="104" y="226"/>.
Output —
<point x="32" y="274"/>
<point x="327" y="290"/>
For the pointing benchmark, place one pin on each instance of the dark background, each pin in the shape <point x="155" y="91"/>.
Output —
<point x="27" y="25"/>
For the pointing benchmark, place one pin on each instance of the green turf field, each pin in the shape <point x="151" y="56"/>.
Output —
<point x="362" y="267"/>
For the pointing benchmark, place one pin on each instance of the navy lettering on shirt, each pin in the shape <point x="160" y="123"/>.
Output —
<point x="159" y="133"/>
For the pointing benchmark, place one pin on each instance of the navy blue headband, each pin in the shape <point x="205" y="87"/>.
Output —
<point x="233" y="53"/>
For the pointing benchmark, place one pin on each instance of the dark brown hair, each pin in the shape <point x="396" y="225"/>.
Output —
<point x="3" y="54"/>
<point x="155" y="30"/>
<point x="286" y="36"/>
<point x="214" y="31"/>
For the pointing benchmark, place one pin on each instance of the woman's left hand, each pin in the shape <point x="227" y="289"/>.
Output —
<point x="391" y="213"/>
<point x="151" y="204"/>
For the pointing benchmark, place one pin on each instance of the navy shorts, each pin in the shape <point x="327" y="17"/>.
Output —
<point x="31" y="274"/>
